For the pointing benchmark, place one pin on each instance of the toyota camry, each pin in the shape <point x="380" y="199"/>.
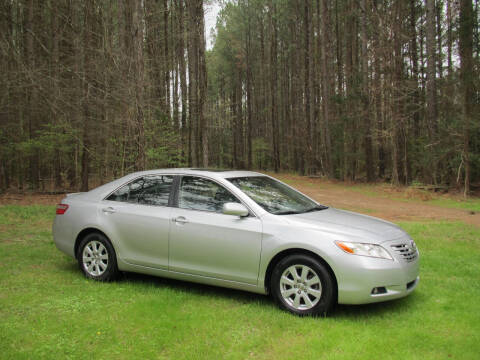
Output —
<point x="236" y="229"/>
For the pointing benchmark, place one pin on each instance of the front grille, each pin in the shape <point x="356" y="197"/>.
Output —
<point x="407" y="251"/>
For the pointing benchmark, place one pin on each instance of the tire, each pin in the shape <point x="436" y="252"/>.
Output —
<point x="312" y="292"/>
<point x="96" y="257"/>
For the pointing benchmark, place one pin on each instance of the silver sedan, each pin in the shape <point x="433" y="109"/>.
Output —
<point x="237" y="229"/>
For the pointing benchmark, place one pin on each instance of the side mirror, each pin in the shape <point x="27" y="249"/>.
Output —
<point x="236" y="209"/>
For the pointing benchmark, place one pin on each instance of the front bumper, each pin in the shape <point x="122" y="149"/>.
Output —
<point x="359" y="275"/>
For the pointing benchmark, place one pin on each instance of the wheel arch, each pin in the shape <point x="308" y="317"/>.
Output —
<point x="85" y="232"/>
<point x="296" y="251"/>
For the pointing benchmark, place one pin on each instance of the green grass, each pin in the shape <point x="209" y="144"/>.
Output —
<point x="467" y="204"/>
<point x="48" y="310"/>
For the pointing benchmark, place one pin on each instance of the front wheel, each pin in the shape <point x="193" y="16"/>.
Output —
<point x="96" y="257"/>
<point x="303" y="286"/>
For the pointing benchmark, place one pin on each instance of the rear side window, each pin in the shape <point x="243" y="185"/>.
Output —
<point x="148" y="190"/>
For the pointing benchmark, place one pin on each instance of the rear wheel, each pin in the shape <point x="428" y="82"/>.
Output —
<point x="96" y="257"/>
<point x="303" y="286"/>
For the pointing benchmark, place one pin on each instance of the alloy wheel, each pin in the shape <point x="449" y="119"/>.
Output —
<point x="300" y="287"/>
<point x="95" y="258"/>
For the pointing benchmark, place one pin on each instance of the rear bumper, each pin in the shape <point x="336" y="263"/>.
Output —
<point x="356" y="282"/>
<point x="62" y="236"/>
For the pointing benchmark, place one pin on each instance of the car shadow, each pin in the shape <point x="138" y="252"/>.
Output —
<point x="69" y="266"/>
<point x="196" y="288"/>
<point x="380" y="309"/>
<point x="398" y="306"/>
<point x="178" y="285"/>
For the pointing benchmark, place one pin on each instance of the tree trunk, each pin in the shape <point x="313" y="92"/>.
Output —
<point x="351" y="68"/>
<point x="183" y="75"/>
<point x="56" y="94"/>
<point x="31" y="110"/>
<point x="166" y="57"/>
<point x="431" y="69"/>
<point x="415" y="72"/>
<point x="398" y="125"/>
<point x="449" y="37"/>
<point x="306" y="129"/>
<point x="273" y="86"/>
<point x="438" y="28"/>
<point x="467" y="79"/>
<point x="87" y="79"/>
<point x="137" y="41"/>
<point x="202" y="83"/>
<point x="326" y="83"/>
<point x="369" y="165"/>
<point x="249" y="92"/>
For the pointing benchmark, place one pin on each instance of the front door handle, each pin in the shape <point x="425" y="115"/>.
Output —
<point x="180" y="220"/>
<point x="108" y="210"/>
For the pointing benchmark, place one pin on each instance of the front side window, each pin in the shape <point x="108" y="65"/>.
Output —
<point x="148" y="190"/>
<point x="202" y="194"/>
<point x="275" y="197"/>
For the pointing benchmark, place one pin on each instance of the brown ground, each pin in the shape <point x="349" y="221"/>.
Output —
<point x="30" y="199"/>
<point x="384" y="203"/>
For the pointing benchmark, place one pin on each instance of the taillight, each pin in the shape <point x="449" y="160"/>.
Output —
<point x="61" y="209"/>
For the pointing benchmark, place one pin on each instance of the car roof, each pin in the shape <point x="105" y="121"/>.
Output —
<point x="214" y="173"/>
<point x="103" y="190"/>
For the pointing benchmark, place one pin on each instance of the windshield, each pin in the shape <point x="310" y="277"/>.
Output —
<point x="275" y="197"/>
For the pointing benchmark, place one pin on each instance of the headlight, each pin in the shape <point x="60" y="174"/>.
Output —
<point x="364" y="249"/>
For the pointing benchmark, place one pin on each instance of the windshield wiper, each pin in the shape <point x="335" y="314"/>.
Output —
<point x="288" y="212"/>
<point x="293" y="212"/>
<point x="316" y="208"/>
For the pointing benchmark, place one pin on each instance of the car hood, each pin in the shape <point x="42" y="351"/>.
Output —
<point x="348" y="225"/>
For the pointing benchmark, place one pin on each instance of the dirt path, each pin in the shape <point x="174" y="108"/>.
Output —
<point x="338" y="195"/>
<point x="30" y="199"/>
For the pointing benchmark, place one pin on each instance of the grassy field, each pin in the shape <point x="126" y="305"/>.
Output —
<point x="48" y="310"/>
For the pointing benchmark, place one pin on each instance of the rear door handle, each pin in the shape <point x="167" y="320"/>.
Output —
<point x="108" y="210"/>
<point x="180" y="220"/>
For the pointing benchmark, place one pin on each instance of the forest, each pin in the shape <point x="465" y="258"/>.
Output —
<point x="354" y="90"/>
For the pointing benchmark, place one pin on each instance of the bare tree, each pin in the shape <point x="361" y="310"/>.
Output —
<point x="466" y="70"/>
<point x="431" y="68"/>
